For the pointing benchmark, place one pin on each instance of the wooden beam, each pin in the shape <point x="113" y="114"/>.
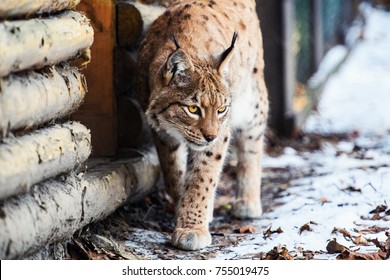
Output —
<point x="98" y="112"/>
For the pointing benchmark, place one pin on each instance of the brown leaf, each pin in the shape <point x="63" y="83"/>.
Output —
<point x="305" y="227"/>
<point x="379" y="209"/>
<point x="348" y="255"/>
<point x="352" y="189"/>
<point x="246" y="229"/>
<point x="343" y="231"/>
<point x="278" y="253"/>
<point x="333" y="247"/>
<point x="376" y="217"/>
<point x="387" y="243"/>
<point x="323" y="200"/>
<point x="372" y="229"/>
<point x="360" y="240"/>
<point x="269" y="232"/>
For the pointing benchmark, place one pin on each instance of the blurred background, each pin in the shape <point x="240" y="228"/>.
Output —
<point x="297" y="35"/>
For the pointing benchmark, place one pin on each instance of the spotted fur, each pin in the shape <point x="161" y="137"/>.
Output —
<point x="201" y="84"/>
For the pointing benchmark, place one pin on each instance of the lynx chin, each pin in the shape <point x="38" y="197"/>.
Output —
<point x="202" y="88"/>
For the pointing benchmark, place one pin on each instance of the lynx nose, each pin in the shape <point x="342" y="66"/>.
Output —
<point x="210" y="138"/>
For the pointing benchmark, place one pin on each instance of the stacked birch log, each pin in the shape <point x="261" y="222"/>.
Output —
<point x="37" y="86"/>
<point x="45" y="193"/>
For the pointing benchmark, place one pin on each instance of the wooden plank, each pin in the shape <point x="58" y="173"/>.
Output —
<point x="98" y="112"/>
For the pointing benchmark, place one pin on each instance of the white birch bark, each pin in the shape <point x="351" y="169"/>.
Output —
<point x="14" y="8"/>
<point x="34" y="43"/>
<point x="55" y="209"/>
<point x="31" y="98"/>
<point x="27" y="160"/>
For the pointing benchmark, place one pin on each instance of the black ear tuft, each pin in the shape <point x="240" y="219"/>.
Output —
<point x="225" y="54"/>
<point x="175" y="41"/>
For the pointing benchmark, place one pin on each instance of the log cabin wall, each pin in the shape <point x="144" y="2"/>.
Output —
<point x="41" y="84"/>
<point x="47" y="192"/>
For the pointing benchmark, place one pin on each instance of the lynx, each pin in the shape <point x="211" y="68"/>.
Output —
<point x="202" y="88"/>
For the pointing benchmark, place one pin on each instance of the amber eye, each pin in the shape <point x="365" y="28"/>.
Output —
<point x="193" y="109"/>
<point x="222" y="109"/>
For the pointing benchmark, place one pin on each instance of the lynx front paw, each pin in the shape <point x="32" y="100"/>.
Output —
<point x="191" y="239"/>
<point x="247" y="209"/>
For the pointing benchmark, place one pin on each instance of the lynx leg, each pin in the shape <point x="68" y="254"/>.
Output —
<point x="249" y="151"/>
<point x="173" y="161"/>
<point x="196" y="204"/>
<point x="248" y="203"/>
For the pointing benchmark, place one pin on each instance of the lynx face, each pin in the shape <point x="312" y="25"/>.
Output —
<point x="193" y="104"/>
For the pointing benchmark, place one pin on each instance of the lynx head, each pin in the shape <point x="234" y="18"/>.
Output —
<point x="193" y="102"/>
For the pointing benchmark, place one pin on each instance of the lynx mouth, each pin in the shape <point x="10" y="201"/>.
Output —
<point x="198" y="146"/>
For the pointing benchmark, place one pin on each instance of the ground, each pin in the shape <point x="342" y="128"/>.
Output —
<point x="325" y="192"/>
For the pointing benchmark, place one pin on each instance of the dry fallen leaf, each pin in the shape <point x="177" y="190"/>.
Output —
<point x="352" y="189"/>
<point x="348" y="255"/>
<point x="323" y="200"/>
<point x="379" y="209"/>
<point x="333" y="247"/>
<point x="269" y="232"/>
<point x="278" y="253"/>
<point x="246" y="229"/>
<point x="343" y="231"/>
<point x="305" y="227"/>
<point x="372" y="229"/>
<point x="387" y="245"/>
<point x="360" y="240"/>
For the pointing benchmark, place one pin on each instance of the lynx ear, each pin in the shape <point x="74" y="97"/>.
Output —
<point x="177" y="66"/>
<point x="226" y="56"/>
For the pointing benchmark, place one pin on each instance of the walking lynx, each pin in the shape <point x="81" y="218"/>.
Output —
<point x="202" y="88"/>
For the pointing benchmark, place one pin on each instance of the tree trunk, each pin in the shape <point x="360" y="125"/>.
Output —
<point x="55" y="209"/>
<point x="27" y="160"/>
<point x="39" y="42"/>
<point x="35" y="97"/>
<point x="17" y="8"/>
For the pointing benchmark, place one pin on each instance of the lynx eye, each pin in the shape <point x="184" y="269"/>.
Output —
<point x="222" y="109"/>
<point x="193" y="110"/>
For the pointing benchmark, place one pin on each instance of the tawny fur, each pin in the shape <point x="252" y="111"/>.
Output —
<point x="189" y="61"/>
